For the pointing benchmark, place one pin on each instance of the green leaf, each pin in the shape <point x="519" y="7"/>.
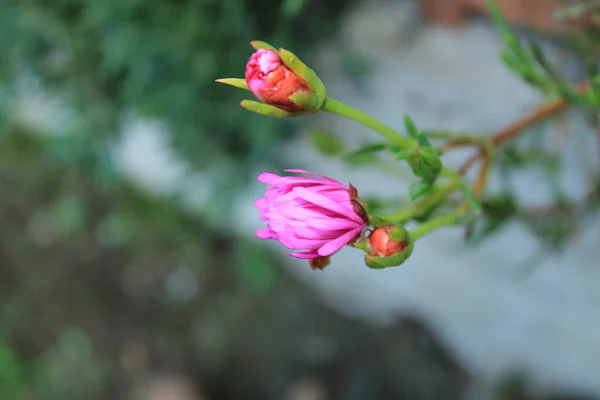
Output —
<point x="418" y="189"/>
<point x="402" y="154"/>
<point x="365" y="152"/>
<point x="410" y="126"/>
<point x="511" y="62"/>
<point x="497" y="211"/>
<point x="422" y="140"/>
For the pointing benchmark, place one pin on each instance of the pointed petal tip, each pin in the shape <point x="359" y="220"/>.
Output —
<point x="264" y="233"/>
<point x="336" y="245"/>
<point x="267" y="177"/>
<point x="261" y="203"/>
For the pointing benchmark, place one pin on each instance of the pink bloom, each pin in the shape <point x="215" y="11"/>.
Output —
<point x="272" y="82"/>
<point x="314" y="214"/>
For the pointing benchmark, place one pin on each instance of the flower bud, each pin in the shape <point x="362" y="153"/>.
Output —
<point x="389" y="246"/>
<point x="313" y="214"/>
<point x="286" y="87"/>
<point x="425" y="162"/>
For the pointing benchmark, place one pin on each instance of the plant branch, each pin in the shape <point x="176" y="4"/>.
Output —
<point x="436" y="223"/>
<point x="337" y="107"/>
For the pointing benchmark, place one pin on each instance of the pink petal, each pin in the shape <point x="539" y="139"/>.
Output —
<point x="330" y="223"/>
<point x="310" y="233"/>
<point x="293" y="242"/>
<point x="263" y="215"/>
<point x="268" y="177"/>
<point x="303" y="213"/>
<point x="261" y="203"/>
<point x="336" y="244"/>
<point x="326" y="203"/>
<point x="302" y="171"/>
<point x="305" y="255"/>
<point x="265" y="233"/>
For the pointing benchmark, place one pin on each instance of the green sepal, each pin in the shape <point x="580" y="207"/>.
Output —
<point x="237" y="82"/>
<point x="398" y="234"/>
<point x="378" y="222"/>
<point x="397" y="259"/>
<point x="257" y="44"/>
<point x="265" y="109"/>
<point x="303" y="71"/>
<point x="425" y="162"/>
<point x="402" y="154"/>
<point x="363" y="245"/>
<point x="308" y="101"/>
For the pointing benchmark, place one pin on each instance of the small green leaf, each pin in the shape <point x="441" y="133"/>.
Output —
<point x="541" y="59"/>
<point x="418" y="189"/>
<point x="402" y="154"/>
<point x="410" y="126"/>
<point x="422" y="140"/>
<point x="365" y="152"/>
<point x="511" y="62"/>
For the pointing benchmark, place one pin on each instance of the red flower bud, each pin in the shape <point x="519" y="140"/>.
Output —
<point x="382" y="245"/>
<point x="272" y="82"/>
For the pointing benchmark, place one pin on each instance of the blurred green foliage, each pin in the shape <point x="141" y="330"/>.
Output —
<point x="74" y="223"/>
<point x="108" y="60"/>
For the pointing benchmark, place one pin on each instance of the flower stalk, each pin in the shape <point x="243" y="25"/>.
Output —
<point x="337" y="107"/>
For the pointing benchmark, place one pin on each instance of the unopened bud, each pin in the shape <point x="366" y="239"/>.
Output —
<point x="389" y="246"/>
<point x="285" y="86"/>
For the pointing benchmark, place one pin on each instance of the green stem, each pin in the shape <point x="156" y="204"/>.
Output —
<point x="464" y="188"/>
<point x="336" y="107"/>
<point x="423" y="205"/>
<point x="436" y="223"/>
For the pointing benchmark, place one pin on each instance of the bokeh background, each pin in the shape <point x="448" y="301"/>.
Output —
<point x="128" y="264"/>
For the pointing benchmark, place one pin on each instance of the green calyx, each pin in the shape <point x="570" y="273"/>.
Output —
<point x="395" y="260"/>
<point x="397" y="234"/>
<point x="422" y="157"/>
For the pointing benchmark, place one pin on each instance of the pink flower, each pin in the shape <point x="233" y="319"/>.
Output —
<point x="314" y="214"/>
<point x="272" y="82"/>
